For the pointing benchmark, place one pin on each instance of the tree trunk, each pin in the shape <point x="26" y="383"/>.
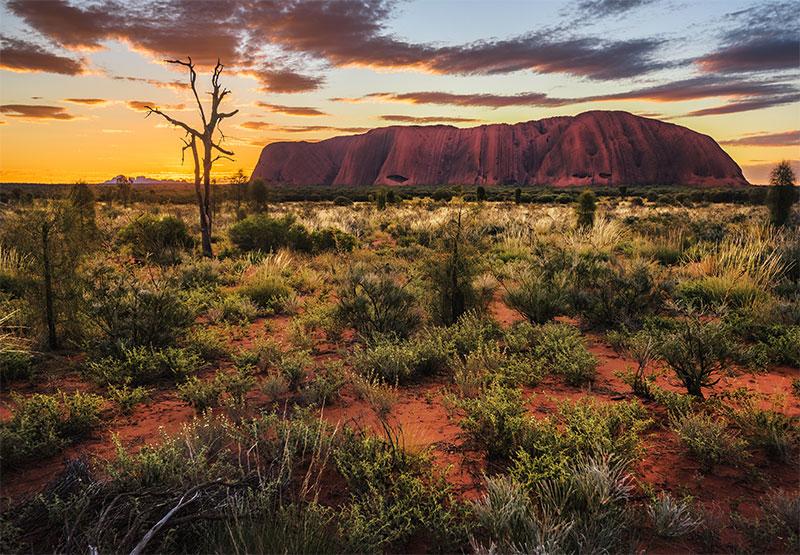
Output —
<point x="52" y="338"/>
<point x="205" y="209"/>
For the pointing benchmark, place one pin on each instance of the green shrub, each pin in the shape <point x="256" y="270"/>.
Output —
<point x="159" y="239"/>
<point x="324" y="388"/>
<point x="394" y="497"/>
<point x="294" y="366"/>
<point x="582" y="428"/>
<point x="15" y="364"/>
<point x="585" y="208"/>
<point x="267" y="291"/>
<point x="43" y="424"/>
<point x="234" y="308"/>
<point x="127" y="397"/>
<point x="128" y="312"/>
<point x="201" y="394"/>
<point x="560" y="349"/>
<point x="696" y="351"/>
<point x="237" y="384"/>
<point x="495" y="421"/>
<point x="373" y="304"/>
<point x="770" y="430"/>
<point x="399" y="362"/>
<point x="614" y="294"/>
<point x="144" y="365"/>
<point x="717" y="291"/>
<point x="709" y="439"/>
<point x="537" y="299"/>
<point x="263" y="233"/>
<point x="209" y="344"/>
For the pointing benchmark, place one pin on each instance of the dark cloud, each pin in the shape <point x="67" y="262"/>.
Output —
<point x="339" y="32"/>
<point x="291" y="110"/>
<point x="785" y="138"/>
<point x="605" y="8"/>
<point x="428" y="119"/>
<point x="35" y="112"/>
<point x="759" y="54"/>
<point x="284" y="80"/>
<point x="87" y="101"/>
<point x="706" y="86"/>
<point x="20" y="55"/>
<point x="764" y="37"/>
<point x="747" y="105"/>
<point x="478" y="99"/>
<point x="171" y="29"/>
<point x="585" y="57"/>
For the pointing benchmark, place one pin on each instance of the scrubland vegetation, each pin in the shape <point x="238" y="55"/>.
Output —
<point x="399" y="375"/>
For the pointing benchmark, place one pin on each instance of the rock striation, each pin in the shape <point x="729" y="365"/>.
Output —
<point x="597" y="148"/>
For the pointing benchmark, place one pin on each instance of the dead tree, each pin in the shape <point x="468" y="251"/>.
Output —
<point x="212" y="151"/>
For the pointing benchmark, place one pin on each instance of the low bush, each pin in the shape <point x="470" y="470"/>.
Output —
<point x="560" y="349"/>
<point x="770" y="430"/>
<point x="709" y="439"/>
<point x="671" y="517"/>
<point x="15" y="364"/>
<point x="126" y="397"/>
<point x="697" y="352"/>
<point x="234" y="308"/>
<point x="209" y="344"/>
<point x="159" y="239"/>
<point x="718" y="291"/>
<point x="400" y="362"/>
<point x="41" y="425"/>
<point x="537" y="299"/>
<point x="374" y="304"/>
<point x="126" y="311"/>
<point x="394" y="496"/>
<point x="263" y="233"/>
<point x="582" y="428"/>
<point x="201" y="394"/>
<point x="144" y="365"/>
<point x="267" y="291"/>
<point x="324" y="388"/>
<point x="495" y="421"/>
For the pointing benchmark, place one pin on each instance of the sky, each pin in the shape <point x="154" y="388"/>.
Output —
<point x="75" y="75"/>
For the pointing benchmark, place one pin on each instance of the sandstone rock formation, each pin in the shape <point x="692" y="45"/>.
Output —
<point x="600" y="148"/>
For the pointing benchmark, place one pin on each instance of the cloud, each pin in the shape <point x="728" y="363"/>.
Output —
<point x="477" y="99"/>
<point x="764" y="37"/>
<point x="760" y="54"/>
<point x="291" y="110"/>
<point x="174" y="84"/>
<point x="23" y="56"/>
<point x="746" y="105"/>
<point x="87" y="101"/>
<point x="706" y="86"/>
<point x="428" y="119"/>
<point x="784" y="138"/>
<point x="141" y="105"/>
<point x="164" y="29"/>
<point x="338" y="32"/>
<point x="606" y="8"/>
<point x="255" y="125"/>
<point x="284" y="80"/>
<point x="33" y="112"/>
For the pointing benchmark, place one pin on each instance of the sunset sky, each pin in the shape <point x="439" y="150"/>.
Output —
<point x="75" y="75"/>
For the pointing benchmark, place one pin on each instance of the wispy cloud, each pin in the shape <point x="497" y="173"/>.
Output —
<point x="35" y="112"/>
<point x="23" y="56"/>
<point x="783" y="138"/>
<point x="291" y="110"/>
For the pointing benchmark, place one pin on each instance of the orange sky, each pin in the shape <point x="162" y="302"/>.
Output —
<point x="70" y="92"/>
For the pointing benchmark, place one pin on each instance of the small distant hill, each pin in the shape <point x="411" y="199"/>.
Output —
<point x="139" y="180"/>
<point x="597" y="148"/>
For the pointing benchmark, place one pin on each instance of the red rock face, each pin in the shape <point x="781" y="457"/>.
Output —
<point x="594" y="148"/>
